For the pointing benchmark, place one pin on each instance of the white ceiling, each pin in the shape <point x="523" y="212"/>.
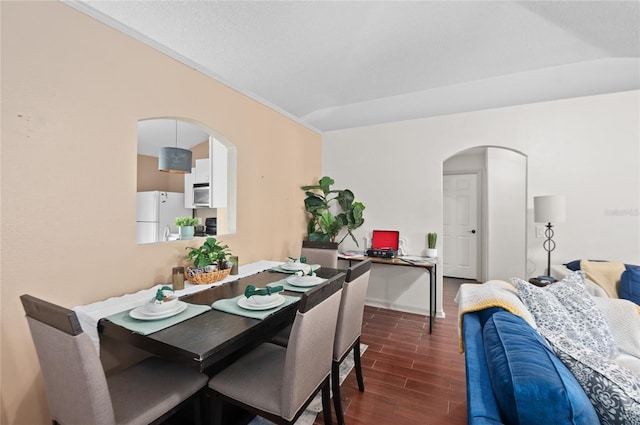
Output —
<point x="156" y="133"/>
<point x="341" y="64"/>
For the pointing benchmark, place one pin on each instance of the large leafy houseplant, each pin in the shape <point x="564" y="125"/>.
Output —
<point x="321" y="203"/>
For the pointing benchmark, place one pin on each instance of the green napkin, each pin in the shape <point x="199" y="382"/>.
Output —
<point x="301" y="259"/>
<point x="230" y="305"/>
<point x="252" y="290"/>
<point x="146" y="327"/>
<point x="289" y="287"/>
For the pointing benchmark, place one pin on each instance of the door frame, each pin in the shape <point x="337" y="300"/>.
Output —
<point x="480" y="216"/>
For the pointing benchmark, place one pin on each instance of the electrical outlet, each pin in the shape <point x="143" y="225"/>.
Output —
<point x="539" y="231"/>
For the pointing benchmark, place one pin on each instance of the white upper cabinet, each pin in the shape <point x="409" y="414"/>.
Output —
<point x="218" y="155"/>
<point x="211" y="171"/>
<point x="188" y="188"/>
<point x="203" y="171"/>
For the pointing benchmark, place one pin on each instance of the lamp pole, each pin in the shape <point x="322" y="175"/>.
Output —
<point x="549" y="209"/>
<point x="549" y="245"/>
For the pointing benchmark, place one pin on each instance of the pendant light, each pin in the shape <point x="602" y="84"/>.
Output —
<point x="174" y="160"/>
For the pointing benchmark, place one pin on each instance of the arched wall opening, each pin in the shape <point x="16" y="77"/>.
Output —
<point x="485" y="214"/>
<point x="219" y="169"/>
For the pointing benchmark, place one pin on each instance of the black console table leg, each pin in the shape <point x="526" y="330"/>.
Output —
<point x="433" y="290"/>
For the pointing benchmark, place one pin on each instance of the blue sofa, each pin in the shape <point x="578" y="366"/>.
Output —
<point x="513" y="377"/>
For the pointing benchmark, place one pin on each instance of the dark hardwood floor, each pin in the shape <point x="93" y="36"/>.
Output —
<point x="410" y="376"/>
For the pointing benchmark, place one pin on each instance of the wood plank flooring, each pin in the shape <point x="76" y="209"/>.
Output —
<point x="410" y="376"/>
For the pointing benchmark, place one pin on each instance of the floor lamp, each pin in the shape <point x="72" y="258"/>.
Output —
<point x="549" y="209"/>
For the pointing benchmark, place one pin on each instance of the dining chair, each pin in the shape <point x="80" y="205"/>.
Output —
<point x="78" y="390"/>
<point x="278" y="383"/>
<point x="349" y="329"/>
<point x="323" y="253"/>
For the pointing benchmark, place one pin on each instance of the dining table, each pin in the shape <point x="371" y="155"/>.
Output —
<point x="213" y="338"/>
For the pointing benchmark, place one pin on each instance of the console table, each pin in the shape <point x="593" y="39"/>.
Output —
<point x="430" y="267"/>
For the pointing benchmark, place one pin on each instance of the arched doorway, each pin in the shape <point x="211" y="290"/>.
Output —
<point x="485" y="214"/>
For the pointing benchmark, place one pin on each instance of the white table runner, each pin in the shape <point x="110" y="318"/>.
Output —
<point x="90" y="314"/>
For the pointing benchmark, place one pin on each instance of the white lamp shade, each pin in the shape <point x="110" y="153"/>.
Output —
<point x="549" y="209"/>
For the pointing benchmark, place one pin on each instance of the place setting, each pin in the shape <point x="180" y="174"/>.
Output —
<point x="295" y="265"/>
<point x="163" y="310"/>
<point x="256" y="303"/>
<point x="298" y="283"/>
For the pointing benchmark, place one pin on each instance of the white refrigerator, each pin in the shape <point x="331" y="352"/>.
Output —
<point x="156" y="211"/>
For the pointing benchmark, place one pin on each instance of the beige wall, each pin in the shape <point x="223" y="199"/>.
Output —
<point x="72" y="93"/>
<point x="149" y="178"/>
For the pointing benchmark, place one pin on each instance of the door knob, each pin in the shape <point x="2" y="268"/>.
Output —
<point x="473" y="231"/>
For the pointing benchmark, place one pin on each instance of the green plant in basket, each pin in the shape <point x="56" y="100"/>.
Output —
<point x="186" y="221"/>
<point x="210" y="253"/>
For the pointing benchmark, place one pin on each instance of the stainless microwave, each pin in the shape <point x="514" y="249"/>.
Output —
<point x="201" y="195"/>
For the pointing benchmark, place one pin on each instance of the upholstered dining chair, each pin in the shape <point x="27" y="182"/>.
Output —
<point x="278" y="383"/>
<point x="78" y="390"/>
<point x="323" y="253"/>
<point x="349" y="329"/>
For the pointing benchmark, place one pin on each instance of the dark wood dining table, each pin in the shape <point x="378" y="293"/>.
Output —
<point x="209" y="341"/>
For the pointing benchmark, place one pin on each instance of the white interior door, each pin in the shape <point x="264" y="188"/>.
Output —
<point x="460" y="239"/>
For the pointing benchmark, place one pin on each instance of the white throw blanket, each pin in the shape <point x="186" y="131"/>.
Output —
<point x="494" y="293"/>
<point x="90" y="314"/>
<point x="623" y="318"/>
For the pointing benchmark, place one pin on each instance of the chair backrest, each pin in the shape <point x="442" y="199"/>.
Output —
<point x="74" y="379"/>
<point x="323" y="253"/>
<point x="308" y="359"/>
<point x="354" y="294"/>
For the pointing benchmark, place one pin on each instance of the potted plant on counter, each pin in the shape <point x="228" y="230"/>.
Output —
<point x="321" y="200"/>
<point x="210" y="262"/>
<point x="432" y="251"/>
<point x="186" y="226"/>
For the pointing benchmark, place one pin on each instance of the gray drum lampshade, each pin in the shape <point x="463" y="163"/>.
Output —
<point x="174" y="160"/>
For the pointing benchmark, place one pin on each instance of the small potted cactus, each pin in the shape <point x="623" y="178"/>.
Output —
<point x="432" y="239"/>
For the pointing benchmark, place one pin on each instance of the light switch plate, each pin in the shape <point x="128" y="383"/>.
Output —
<point x="540" y="231"/>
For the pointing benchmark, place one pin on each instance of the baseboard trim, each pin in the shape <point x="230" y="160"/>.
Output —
<point x="401" y="307"/>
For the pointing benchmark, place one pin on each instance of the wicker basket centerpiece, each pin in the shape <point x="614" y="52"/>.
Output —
<point x="210" y="263"/>
<point x="200" y="277"/>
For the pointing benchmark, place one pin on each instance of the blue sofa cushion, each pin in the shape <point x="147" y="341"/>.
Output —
<point x="482" y="408"/>
<point x="630" y="284"/>
<point x="531" y="384"/>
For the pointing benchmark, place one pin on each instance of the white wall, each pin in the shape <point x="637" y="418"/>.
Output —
<point x="506" y="214"/>
<point x="585" y="148"/>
